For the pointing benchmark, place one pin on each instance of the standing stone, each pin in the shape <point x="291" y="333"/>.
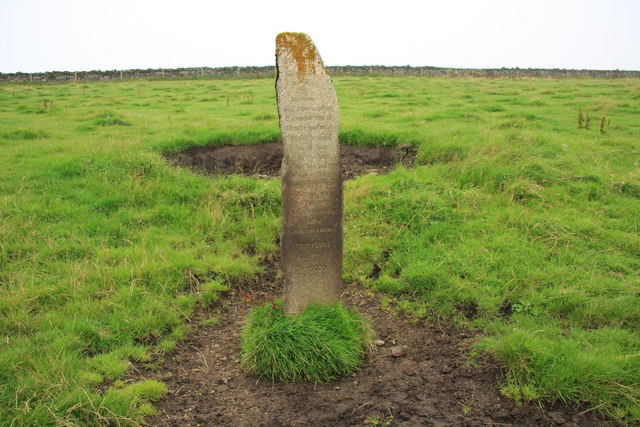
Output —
<point x="311" y="239"/>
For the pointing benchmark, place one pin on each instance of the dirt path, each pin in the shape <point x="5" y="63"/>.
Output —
<point x="432" y="383"/>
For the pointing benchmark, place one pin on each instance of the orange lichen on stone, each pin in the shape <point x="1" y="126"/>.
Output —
<point x="302" y="50"/>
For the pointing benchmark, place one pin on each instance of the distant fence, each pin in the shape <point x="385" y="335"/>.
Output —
<point x="269" y="71"/>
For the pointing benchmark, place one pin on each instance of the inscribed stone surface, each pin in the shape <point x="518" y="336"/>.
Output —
<point x="311" y="239"/>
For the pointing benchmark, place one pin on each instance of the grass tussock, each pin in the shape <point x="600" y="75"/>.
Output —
<point x="317" y="345"/>
<point x="24" y="134"/>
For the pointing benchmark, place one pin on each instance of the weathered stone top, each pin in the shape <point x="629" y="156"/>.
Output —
<point x="307" y="107"/>
<point x="297" y="53"/>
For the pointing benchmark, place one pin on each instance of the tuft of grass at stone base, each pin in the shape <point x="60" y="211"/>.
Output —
<point x="317" y="345"/>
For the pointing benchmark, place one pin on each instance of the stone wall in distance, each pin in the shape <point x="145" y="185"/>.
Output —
<point x="269" y="71"/>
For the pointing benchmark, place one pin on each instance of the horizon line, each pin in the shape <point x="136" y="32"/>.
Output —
<point x="328" y="66"/>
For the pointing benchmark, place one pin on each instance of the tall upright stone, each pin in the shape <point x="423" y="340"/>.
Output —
<point x="311" y="239"/>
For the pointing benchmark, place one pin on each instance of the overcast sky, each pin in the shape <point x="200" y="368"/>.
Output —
<point x="70" y="35"/>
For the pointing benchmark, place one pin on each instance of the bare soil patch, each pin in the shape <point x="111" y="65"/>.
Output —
<point x="421" y="375"/>
<point x="265" y="159"/>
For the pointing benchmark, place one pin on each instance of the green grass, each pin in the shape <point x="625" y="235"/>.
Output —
<point x="514" y="221"/>
<point x="318" y="345"/>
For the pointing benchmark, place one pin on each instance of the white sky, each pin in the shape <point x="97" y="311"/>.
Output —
<point x="82" y="35"/>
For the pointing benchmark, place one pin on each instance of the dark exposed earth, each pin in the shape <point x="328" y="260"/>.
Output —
<point x="265" y="159"/>
<point x="423" y="374"/>
<point x="420" y="373"/>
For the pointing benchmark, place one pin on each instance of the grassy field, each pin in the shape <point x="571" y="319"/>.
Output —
<point x="515" y="221"/>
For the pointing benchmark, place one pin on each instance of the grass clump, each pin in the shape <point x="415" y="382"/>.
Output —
<point x="110" y="119"/>
<point x="210" y="292"/>
<point x="362" y="138"/>
<point x="597" y="366"/>
<point x="212" y="138"/>
<point x="319" y="344"/>
<point x="24" y="134"/>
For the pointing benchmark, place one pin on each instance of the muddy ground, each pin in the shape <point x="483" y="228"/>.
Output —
<point x="431" y="380"/>
<point x="265" y="159"/>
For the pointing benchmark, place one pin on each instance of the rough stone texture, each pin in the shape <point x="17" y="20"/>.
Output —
<point x="268" y="71"/>
<point x="311" y="239"/>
